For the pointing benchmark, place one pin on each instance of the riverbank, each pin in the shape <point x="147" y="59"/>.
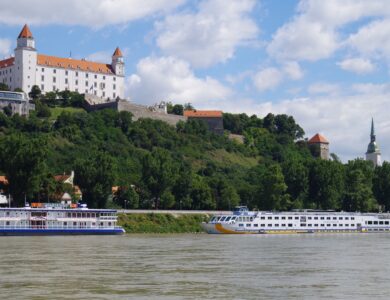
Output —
<point x="161" y="222"/>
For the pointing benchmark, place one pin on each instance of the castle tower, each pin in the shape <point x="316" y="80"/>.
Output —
<point x="319" y="146"/>
<point x="373" y="153"/>
<point x="118" y="64"/>
<point x="25" y="61"/>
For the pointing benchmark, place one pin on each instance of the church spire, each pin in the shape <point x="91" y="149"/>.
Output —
<point x="373" y="137"/>
<point x="373" y="153"/>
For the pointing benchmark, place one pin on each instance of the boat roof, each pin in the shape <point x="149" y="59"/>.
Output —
<point x="59" y="209"/>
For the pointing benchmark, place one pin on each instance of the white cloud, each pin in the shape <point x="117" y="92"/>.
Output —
<point x="357" y="65"/>
<point x="313" y="33"/>
<point x="5" y="47"/>
<point x="372" y="39"/>
<point x="210" y="35"/>
<point x="100" y="56"/>
<point x="323" y="88"/>
<point x="169" y="78"/>
<point x="267" y="79"/>
<point x="93" y="13"/>
<point x="293" y="70"/>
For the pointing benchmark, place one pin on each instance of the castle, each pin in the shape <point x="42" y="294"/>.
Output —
<point x="50" y="73"/>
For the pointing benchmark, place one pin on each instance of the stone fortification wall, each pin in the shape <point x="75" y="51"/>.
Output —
<point x="141" y="111"/>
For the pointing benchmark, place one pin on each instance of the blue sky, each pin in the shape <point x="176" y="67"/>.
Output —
<point x="323" y="62"/>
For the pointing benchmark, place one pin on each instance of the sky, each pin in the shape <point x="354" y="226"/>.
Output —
<point x="326" y="63"/>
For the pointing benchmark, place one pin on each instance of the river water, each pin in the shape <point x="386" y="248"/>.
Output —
<point x="197" y="266"/>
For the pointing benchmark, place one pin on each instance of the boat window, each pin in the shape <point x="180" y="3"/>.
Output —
<point x="74" y="215"/>
<point x="380" y="222"/>
<point x="93" y="215"/>
<point x="269" y="218"/>
<point x="323" y="225"/>
<point x="386" y="222"/>
<point x="328" y="225"/>
<point x="309" y="225"/>
<point x="315" y="218"/>
<point x="269" y="225"/>
<point x="369" y="222"/>
<point x="240" y="225"/>
<point x="322" y="218"/>
<point x="262" y="225"/>
<point x="346" y="218"/>
<point x="93" y="224"/>
<point x="346" y="225"/>
<point x="340" y="225"/>
<point x="296" y="218"/>
<point x="328" y="218"/>
<point x="303" y="225"/>
<point x="248" y="225"/>
<point x="276" y="225"/>
<point x="7" y="213"/>
<point x="251" y="219"/>
<point x="309" y="218"/>
<point x="340" y="218"/>
<point x="334" y="225"/>
<point x="316" y="225"/>
<point x="283" y="225"/>
<point x="223" y="219"/>
<point x="283" y="218"/>
<point x="289" y="225"/>
<point x="109" y="223"/>
<point x="65" y="223"/>
<point x="228" y="219"/>
<point x="74" y="223"/>
<point x="256" y="225"/>
<point x="7" y="223"/>
<point x="212" y="219"/>
<point x="78" y="215"/>
<point x="290" y="218"/>
<point x="276" y="218"/>
<point x="352" y="218"/>
<point x="234" y="218"/>
<point x="375" y="222"/>
<point x="262" y="218"/>
<point x="334" y="218"/>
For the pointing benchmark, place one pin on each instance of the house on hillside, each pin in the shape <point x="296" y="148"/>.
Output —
<point x="213" y="119"/>
<point x="67" y="179"/>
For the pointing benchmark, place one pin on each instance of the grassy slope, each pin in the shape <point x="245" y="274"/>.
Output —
<point x="56" y="111"/>
<point x="161" y="223"/>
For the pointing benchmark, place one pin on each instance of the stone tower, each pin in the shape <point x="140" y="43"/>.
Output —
<point x="373" y="153"/>
<point x="319" y="146"/>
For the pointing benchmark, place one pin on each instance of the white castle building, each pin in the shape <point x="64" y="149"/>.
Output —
<point x="50" y="73"/>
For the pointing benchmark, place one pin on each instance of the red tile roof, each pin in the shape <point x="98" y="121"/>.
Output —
<point x="203" y="113"/>
<point x="318" y="138"/>
<point x="25" y="33"/>
<point x="75" y="64"/>
<point x="7" y="62"/>
<point x="117" y="52"/>
<point x="3" y="179"/>
<point x="61" y="178"/>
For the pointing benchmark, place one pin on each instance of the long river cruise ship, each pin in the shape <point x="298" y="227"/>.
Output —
<point x="242" y="221"/>
<point x="58" y="219"/>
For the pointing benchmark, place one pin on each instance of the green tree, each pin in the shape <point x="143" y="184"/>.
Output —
<point x="22" y="159"/>
<point x="95" y="177"/>
<point x="159" y="173"/>
<point x="35" y="92"/>
<point x="3" y="87"/>
<point x="18" y="90"/>
<point x="229" y="198"/>
<point x="127" y="197"/>
<point x="273" y="189"/>
<point x="381" y="185"/>
<point x="201" y="194"/>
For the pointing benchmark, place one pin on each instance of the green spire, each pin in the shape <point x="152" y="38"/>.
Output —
<point x="372" y="146"/>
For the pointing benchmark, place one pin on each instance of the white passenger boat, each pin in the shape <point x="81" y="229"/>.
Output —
<point x="242" y="221"/>
<point x="58" y="219"/>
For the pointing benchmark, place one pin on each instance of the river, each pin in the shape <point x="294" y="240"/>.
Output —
<point x="197" y="266"/>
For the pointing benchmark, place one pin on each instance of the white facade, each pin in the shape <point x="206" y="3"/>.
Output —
<point x="50" y="73"/>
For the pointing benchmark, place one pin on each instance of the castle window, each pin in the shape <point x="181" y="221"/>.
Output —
<point x="43" y="69"/>
<point x="95" y="76"/>
<point x="86" y="91"/>
<point x="66" y="80"/>
<point x="54" y="79"/>
<point x="42" y="78"/>
<point x="86" y="75"/>
<point x="95" y="84"/>
<point x="86" y="83"/>
<point x="76" y="82"/>
<point x="66" y="72"/>
<point x="104" y="94"/>
<point x="113" y="86"/>
<point x="114" y="78"/>
<point x="104" y="77"/>
<point x="54" y="71"/>
<point x="54" y="88"/>
<point x="77" y="74"/>
<point x="95" y="93"/>
<point x="42" y="87"/>
<point x="114" y="95"/>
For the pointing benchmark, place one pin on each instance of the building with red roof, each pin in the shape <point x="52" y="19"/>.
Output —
<point x="319" y="146"/>
<point x="50" y="73"/>
<point x="213" y="119"/>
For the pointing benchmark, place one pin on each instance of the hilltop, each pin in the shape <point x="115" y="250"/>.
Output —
<point x="157" y="165"/>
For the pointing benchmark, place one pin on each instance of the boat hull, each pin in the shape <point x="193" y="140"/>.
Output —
<point x="43" y="232"/>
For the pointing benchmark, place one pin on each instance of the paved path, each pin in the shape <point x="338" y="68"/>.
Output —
<point x="173" y="212"/>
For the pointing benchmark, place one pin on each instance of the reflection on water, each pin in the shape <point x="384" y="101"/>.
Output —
<point x="339" y="266"/>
